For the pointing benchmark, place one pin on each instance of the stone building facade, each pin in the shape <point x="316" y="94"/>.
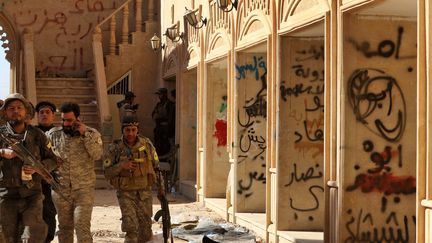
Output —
<point x="311" y="115"/>
<point x="301" y="119"/>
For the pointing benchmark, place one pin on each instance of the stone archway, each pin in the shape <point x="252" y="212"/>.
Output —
<point x="10" y="42"/>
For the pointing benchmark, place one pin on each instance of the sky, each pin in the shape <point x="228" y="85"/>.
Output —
<point x="5" y="75"/>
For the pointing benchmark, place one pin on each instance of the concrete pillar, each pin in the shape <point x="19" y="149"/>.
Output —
<point x="151" y="10"/>
<point x="29" y="60"/>
<point x="100" y="76"/>
<point x="112" y="43"/>
<point x="138" y="16"/>
<point x="125" y="27"/>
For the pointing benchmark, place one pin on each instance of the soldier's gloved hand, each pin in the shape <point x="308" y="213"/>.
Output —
<point x="7" y="153"/>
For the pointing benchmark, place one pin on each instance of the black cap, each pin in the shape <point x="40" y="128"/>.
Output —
<point x="129" y="95"/>
<point x="162" y="91"/>
<point x="44" y="104"/>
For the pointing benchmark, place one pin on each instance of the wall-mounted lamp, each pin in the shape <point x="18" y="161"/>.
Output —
<point x="194" y="18"/>
<point x="156" y="43"/>
<point x="173" y="33"/>
<point x="224" y="5"/>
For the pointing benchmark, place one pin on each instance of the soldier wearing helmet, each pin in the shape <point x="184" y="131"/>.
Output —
<point x="21" y="197"/>
<point x="130" y="166"/>
<point x="127" y="107"/>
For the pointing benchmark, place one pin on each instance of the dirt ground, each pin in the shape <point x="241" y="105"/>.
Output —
<point x="106" y="216"/>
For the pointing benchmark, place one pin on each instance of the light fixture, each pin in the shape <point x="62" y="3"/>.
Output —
<point x="195" y="20"/>
<point x="224" y="4"/>
<point x="173" y="33"/>
<point x="156" y="43"/>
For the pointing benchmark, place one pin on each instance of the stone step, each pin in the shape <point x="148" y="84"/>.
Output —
<point x="88" y="108"/>
<point x="85" y="116"/>
<point x="64" y="82"/>
<point x="47" y="90"/>
<point x="57" y="98"/>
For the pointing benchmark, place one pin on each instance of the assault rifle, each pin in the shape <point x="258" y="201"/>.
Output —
<point x="164" y="211"/>
<point x="29" y="159"/>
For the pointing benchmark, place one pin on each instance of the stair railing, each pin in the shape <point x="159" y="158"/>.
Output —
<point x="110" y="23"/>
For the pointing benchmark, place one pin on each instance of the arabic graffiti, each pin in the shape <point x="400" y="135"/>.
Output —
<point x="380" y="178"/>
<point x="302" y="178"/>
<point x="258" y="62"/>
<point x="63" y="27"/>
<point x="378" y="102"/>
<point x="253" y="176"/>
<point x="252" y="119"/>
<point x="385" y="49"/>
<point x="379" y="186"/>
<point x="361" y="228"/>
<point x="302" y="106"/>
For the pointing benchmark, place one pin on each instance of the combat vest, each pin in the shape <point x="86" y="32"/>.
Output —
<point x="144" y="176"/>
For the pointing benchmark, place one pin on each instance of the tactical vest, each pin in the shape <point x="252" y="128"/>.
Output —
<point x="144" y="176"/>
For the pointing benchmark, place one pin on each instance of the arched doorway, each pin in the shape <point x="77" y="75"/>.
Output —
<point x="8" y="57"/>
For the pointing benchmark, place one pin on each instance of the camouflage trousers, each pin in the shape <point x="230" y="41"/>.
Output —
<point x="136" y="209"/>
<point x="27" y="212"/>
<point x="74" y="214"/>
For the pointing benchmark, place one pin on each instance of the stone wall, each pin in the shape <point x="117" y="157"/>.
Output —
<point x="378" y="176"/>
<point x="251" y="81"/>
<point x="301" y="135"/>
<point x="62" y="32"/>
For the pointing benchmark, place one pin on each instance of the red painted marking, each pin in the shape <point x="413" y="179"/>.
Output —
<point x="385" y="182"/>
<point x="221" y="132"/>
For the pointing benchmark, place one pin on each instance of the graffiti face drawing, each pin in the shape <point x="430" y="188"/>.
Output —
<point x="378" y="103"/>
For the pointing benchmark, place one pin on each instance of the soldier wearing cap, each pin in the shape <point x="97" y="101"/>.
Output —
<point x="79" y="146"/>
<point x="45" y="111"/>
<point x="130" y="166"/>
<point x="20" y="187"/>
<point x="164" y="117"/>
<point x="126" y="106"/>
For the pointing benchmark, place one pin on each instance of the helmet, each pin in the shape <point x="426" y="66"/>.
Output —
<point x="130" y="120"/>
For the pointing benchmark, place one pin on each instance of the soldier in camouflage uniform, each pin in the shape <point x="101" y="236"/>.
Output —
<point x="20" y="188"/>
<point x="130" y="166"/>
<point x="79" y="146"/>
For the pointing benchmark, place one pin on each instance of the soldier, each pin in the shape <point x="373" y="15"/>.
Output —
<point x="79" y="146"/>
<point x="46" y="114"/>
<point x="127" y="107"/>
<point x="20" y="188"/>
<point x="164" y="117"/>
<point x="130" y="167"/>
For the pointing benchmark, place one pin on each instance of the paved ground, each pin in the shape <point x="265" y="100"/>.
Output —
<point x="106" y="216"/>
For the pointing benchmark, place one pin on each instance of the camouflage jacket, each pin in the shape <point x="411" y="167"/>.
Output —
<point x="143" y="153"/>
<point x="36" y="142"/>
<point x="79" y="154"/>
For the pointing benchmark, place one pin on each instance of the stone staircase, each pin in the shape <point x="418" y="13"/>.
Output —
<point x="78" y="90"/>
